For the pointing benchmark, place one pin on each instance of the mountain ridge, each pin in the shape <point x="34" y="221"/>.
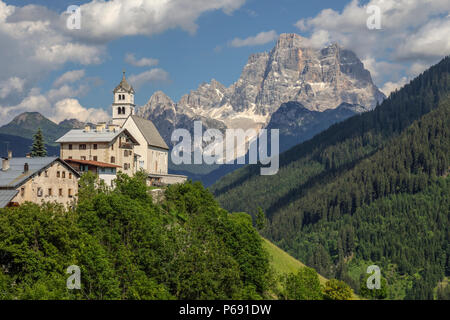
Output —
<point x="320" y="79"/>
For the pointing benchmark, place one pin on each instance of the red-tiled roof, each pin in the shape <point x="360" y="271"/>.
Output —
<point x="93" y="163"/>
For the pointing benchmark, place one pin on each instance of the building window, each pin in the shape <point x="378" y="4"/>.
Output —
<point x="39" y="192"/>
<point x="112" y="147"/>
<point x="95" y="146"/>
<point x="60" y="192"/>
<point x="125" y="166"/>
<point x="49" y="192"/>
<point x="113" y="160"/>
<point x="70" y="193"/>
<point x="64" y="174"/>
<point x="82" y="147"/>
<point x="46" y="173"/>
<point x="22" y="192"/>
<point x="70" y="147"/>
<point x="58" y="174"/>
<point x="70" y="175"/>
<point x="83" y="158"/>
<point x="125" y="153"/>
<point x="119" y="110"/>
<point x="70" y="158"/>
<point x="95" y="158"/>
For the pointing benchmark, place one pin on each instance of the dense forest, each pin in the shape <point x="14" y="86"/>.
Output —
<point x="369" y="190"/>
<point x="128" y="246"/>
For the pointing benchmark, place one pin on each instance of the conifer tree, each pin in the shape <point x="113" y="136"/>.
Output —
<point x="38" y="148"/>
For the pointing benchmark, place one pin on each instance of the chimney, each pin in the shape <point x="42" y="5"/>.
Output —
<point x="113" y="127"/>
<point x="87" y="128"/>
<point x="100" y="127"/>
<point x="25" y="167"/>
<point x="5" y="164"/>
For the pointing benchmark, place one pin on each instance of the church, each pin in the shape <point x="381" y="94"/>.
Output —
<point x="128" y="142"/>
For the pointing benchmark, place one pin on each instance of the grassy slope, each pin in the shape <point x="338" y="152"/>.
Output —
<point x="284" y="263"/>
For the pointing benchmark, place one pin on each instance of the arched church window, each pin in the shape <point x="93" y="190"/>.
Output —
<point x="123" y="110"/>
<point x="119" y="110"/>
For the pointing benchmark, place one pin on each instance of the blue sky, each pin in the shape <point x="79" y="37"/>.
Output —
<point x="191" y="59"/>
<point x="189" y="56"/>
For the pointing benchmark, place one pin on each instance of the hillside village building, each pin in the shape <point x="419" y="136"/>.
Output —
<point x="128" y="141"/>
<point x="101" y="147"/>
<point x="37" y="180"/>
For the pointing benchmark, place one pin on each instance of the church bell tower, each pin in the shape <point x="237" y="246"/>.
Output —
<point x="123" y="105"/>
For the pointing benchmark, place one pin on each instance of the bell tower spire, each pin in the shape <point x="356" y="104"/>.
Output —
<point x="123" y="105"/>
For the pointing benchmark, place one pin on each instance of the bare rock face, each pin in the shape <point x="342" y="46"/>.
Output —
<point x="162" y="111"/>
<point x="318" y="79"/>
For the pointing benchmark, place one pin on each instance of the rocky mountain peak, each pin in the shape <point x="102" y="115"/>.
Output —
<point x="27" y="117"/>
<point x="318" y="79"/>
<point x="290" y="40"/>
<point x="160" y="98"/>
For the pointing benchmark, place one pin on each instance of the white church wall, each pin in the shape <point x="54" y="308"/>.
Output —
<point x="141" y="149"/>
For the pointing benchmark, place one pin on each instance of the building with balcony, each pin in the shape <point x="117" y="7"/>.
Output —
<point x="109" y="145"/>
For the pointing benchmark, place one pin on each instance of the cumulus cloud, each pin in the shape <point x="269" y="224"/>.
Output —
<point x="150" y="76"/>
<point x="72" y="109"/>
<point x="389" y="86"/>
<point x="58" y="103"/>
<point x="69" y="77"/>
<point x="52" y="108"/>
<point x="412" y="32"/>
<point x="35" y="43"/>
<point x="11" y="85"/>
<point x="143" y="62"/>
<point x="260" y="39"/>
<point x="106" y="20"/>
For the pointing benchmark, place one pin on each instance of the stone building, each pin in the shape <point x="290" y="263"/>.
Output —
<point x="37" y="180"/>
<point x="105" y="145"/>
<point x="105" y="171"/>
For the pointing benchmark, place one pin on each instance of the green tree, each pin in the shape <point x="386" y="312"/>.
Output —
<point x="304" y="285"/>
<point x="260" y="220"/>
<point x="337" y="290"/>
<point x="373" y="293"/>
<point x="38" y="148"/>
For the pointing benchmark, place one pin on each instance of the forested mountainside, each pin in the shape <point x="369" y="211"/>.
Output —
<point x="397" y="151"/>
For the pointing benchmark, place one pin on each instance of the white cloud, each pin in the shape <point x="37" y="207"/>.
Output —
<point x="58" y="103"/>
<point x="417" y="68"/>
<point x="13" y="84"/>
<point x="53" y="108"/>
<point x="260" y="39"/>
<point x="154" y="75"/>
<point x="413" y="31"/>
<point x="34" y="43"/>
<point x="392" y="86"/>
<point x="72" y="109"/>
<point x="69" y="77"/>
<point x="67" y="91"/>
<point x="106" y="20"/>
<point x="143" y="62"/>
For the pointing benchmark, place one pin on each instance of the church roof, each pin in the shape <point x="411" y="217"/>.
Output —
<point x="124" y="85"/>
<point x="150" y="132"/>
<point x="106" y="135"/>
